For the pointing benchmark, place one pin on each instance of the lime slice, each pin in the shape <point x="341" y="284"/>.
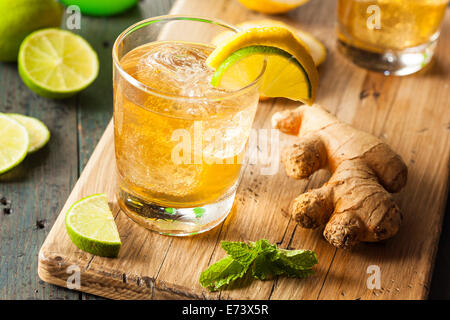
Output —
<point x="284" y="76"/>
<point x="57" y="63"/>
<point x="14" y="142"/>
<point x="290" y="71"/>
<point x="91" y="227"/>
<point x="37" y="131"/>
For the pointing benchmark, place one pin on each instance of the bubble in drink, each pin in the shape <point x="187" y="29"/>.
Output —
<point x="176" y="95"/>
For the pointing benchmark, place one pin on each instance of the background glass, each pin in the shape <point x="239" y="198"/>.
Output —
<point x="396" y="37"/>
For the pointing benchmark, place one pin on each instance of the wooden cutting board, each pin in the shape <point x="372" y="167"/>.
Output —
<point x="411" y="113"/>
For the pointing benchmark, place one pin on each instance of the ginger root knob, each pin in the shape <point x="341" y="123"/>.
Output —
<point x="355" y="204"/>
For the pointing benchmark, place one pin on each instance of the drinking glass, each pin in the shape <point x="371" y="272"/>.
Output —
<point x="179" y="142"/>
<point x="396" y="37"/>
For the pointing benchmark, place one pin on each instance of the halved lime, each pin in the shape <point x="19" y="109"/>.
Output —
<point x="37" y="131"/>
<point x="91" y="227"/>
<point x="14" y="142"/>
<point x="57" y="63"/>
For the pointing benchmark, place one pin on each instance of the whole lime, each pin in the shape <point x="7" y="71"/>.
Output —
<point x="21" y="17"/>
<point x="101" y="7"/>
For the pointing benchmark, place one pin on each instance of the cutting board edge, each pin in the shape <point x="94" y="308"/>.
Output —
<point x="53" y="269"/>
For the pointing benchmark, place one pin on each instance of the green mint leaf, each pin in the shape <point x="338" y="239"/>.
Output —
<point x="272" y="261"/>
<point x="297" y="259"/>
<point x="265" y="268"/>
<point x="170" y="210"/>
<point x="263" y="259"/>
<point x="222" y="273"/>
<point x="199" y="212"/>
<point x="240" y="251"/>
<point x="264" y="246"/>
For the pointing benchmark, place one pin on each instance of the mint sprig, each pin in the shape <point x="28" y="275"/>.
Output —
<point x="263" y="259"/>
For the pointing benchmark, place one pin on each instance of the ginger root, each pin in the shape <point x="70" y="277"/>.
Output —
<point x="355" y="204"/>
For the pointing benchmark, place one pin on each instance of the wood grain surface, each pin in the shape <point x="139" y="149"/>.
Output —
<point x="38" y="188"/>
<point x="410" y="113"/>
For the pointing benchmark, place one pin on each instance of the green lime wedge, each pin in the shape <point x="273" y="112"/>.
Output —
<point x="37" y="131"/>
<point x="14" y="143"/>
<point x="91" y="227"/>
<point x="57" y="63"/>
<point x="284" y="75"/>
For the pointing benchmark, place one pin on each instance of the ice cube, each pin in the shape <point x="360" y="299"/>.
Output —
<point x="176" y="68"/>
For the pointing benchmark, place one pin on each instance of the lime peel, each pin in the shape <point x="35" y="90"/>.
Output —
<point x="91" y="227"/>
<point x="38" y="132"/>
<point x="14" y="143"/>
<point x="254" y="50"/>
<point x="21" y="17"/>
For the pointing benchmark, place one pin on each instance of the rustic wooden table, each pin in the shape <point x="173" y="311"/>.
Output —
<point x="39" y="188"/>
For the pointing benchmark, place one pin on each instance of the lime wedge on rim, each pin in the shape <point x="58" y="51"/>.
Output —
<point x="91" y="227"/>
<point x="14" y="142"/>
<point x="37" y="131"/>
<point x="290" y="70"/>
<point x="57" y="63"/>
<point x="284" y="75"/>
